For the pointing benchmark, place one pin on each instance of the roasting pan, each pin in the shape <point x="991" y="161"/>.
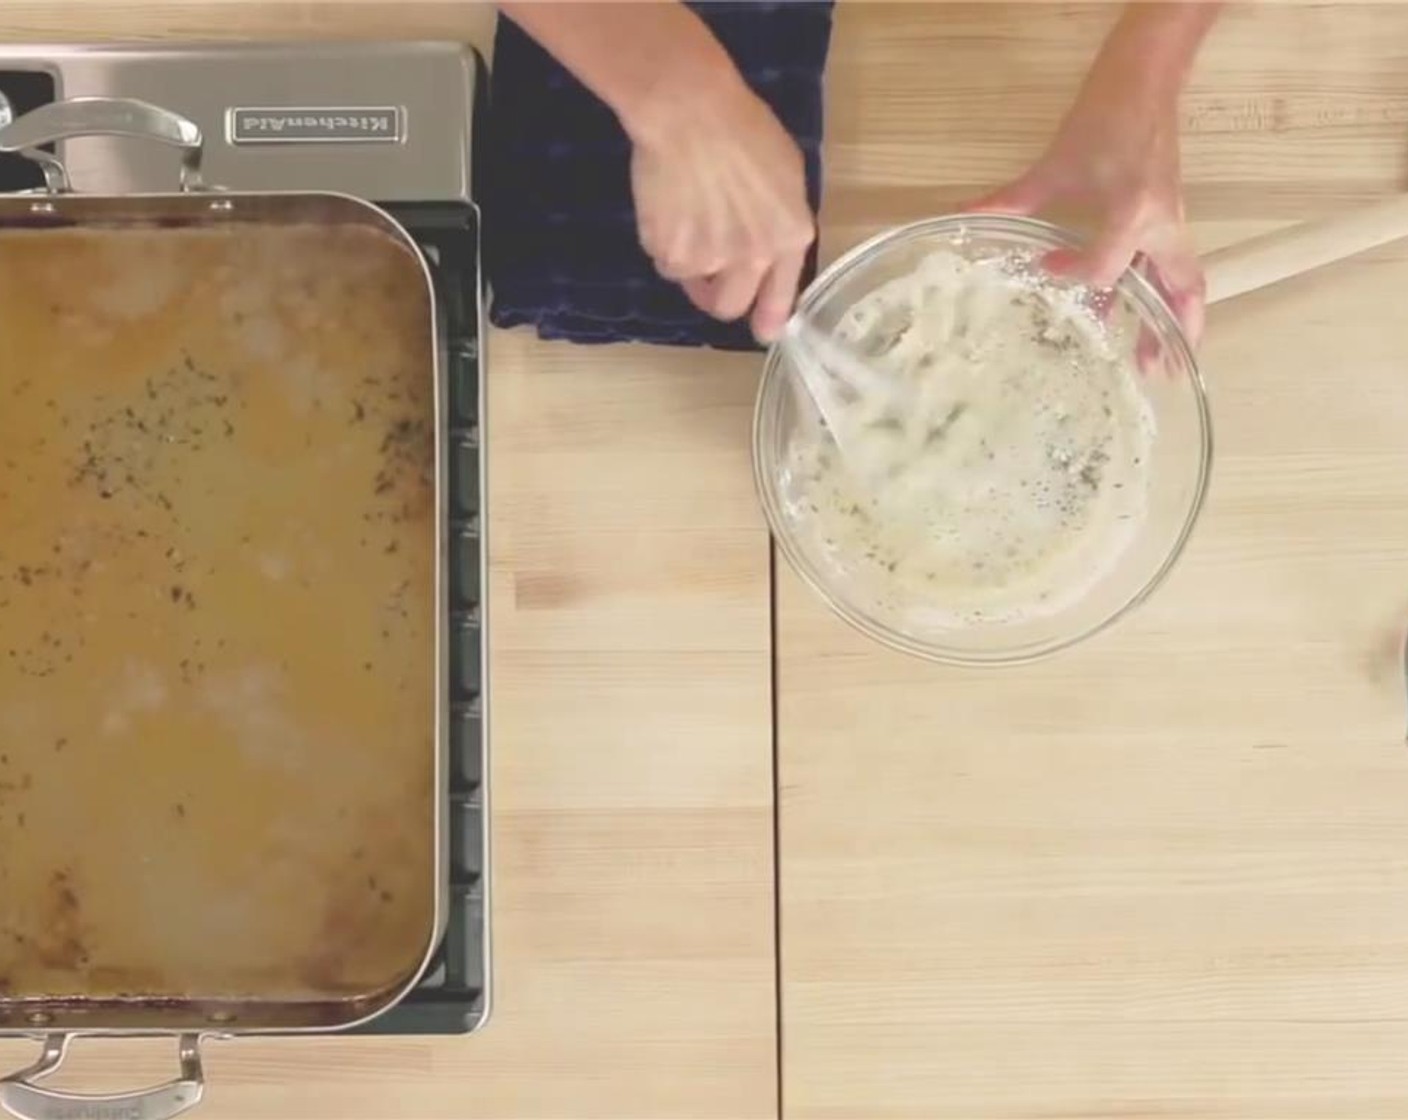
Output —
<point x="222" y="572"/>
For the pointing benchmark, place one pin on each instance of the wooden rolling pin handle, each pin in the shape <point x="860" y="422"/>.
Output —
<point x="1276" y="256"/>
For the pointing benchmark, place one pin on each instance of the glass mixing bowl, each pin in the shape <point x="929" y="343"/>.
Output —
<point x="1146" y="333"/>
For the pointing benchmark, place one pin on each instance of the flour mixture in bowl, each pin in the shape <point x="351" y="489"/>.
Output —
<point x="1018" y="481"/>
<point x="1010" y="472"/>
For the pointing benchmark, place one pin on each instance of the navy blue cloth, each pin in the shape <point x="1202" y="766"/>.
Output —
<point x="561" y="246"/>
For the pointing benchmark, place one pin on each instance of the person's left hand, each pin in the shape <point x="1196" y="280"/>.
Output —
<point x="1116" y="153"/>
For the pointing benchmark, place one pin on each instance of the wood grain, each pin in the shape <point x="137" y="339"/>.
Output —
<point x="1166" y="874"/>
<point x="631" y="768"/>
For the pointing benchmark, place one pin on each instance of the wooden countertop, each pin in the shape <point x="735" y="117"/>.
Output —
<point x="1166" y="874"/>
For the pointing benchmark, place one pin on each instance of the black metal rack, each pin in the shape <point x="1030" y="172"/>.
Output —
<point x="450" y="996"/>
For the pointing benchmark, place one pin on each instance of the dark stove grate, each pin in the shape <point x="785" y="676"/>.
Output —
<point x="450" y="996"/>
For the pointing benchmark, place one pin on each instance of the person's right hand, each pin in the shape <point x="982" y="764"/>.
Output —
<point x="721" y="204"/>
<point x="1117" y="150"/>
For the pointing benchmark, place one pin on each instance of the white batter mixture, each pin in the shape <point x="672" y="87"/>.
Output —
<point x="1008" y="479"/>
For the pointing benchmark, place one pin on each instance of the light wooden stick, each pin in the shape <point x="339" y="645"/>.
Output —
<point x="1284" y="253"/>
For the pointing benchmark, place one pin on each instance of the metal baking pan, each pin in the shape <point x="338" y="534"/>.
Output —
<point x="222" y="575"/>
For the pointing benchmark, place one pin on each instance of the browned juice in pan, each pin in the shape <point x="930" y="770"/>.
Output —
<point x="217" y="593"/>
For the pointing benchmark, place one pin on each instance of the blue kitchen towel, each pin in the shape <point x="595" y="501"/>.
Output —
<point x="560" y="235"/>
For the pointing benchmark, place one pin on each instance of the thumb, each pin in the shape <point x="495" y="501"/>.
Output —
<point x="1102" y="263"/>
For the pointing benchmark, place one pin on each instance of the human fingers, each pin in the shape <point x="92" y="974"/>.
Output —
<point x="1178" y="274"/>
<point x="1149" y="352"/>
<point x="777" y="295"/>
<point x="690" y="253"/>
<point x="675" y="231"/>
<point x="731" y="292"/>
<point x="700" y="291"/>
<point x="1106" y="258"/>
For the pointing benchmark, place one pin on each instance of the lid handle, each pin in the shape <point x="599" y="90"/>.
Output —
<point x="101" y="116"/>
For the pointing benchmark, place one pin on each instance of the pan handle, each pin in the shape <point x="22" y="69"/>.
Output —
<point x="101" y="116"/>
<point x="1284" y="253"/>
<point x="20" y="1097"/>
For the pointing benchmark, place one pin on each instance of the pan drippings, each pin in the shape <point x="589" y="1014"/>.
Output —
<point x="217" y="591"/>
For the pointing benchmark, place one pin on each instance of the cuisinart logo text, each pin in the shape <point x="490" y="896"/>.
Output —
<point x="283" y="125"/>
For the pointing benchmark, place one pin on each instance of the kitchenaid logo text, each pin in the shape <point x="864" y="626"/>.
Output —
<point x="315" y="126"/>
